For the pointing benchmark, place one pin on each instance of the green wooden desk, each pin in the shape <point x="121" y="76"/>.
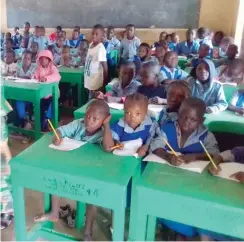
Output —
<point x="100" y="179"/>
<point x="75" y="76"/>
<point x="226" y="121"/>
<point x="199" y="200"/>
<point x="33" y="93"/>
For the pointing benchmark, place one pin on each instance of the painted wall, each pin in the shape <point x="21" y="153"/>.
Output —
<point x="214" y="14"/>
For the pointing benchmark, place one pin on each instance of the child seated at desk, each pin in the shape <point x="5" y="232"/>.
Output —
<point x="169" y="70"/>
<point x="46" y="72"/>
<point x="130" y="44"/>
<point x="66" y="59"/>
<point x="34" y="48"/>
<point x="177" y="92"/>
<point x="203" y="85"/>
<point x="8" y="46"/>
<point x="111" y="42"/>
<point x="135" y="124"/>
<point x="175" y="38"/>
<point x="160" y="53"/>
<point x="144" y="54"/>
<point x="9" y="67"/>
<point x="75" y="41"/>
<point x="37" y="38"/>
<point x="184" y="136"/>
<point x="58" y="47"/>
<point x="17" y="38"/>
<point x="82" y="52"/>
<point x="25" y="70"/>
<point x="218" y="36"/>
<point x="203" y="35"/>
<point x="224" y="45"/>
<point x="202" y="54"/>
<point x="162" y="37"/>
<point x="237" y="102"/>
<point x="88" y="130"/>
<point x="125" y="86"/>
<point x="151" y="87"/>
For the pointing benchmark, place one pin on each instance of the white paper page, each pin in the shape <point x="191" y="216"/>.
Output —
<point x="196" y="166"/>
<point x="154" y="110"/>
<point x="20" y="80"/>
<point x="230" y="168"/>
<point x="118" y="106"/>
<point x="68" y="144"/>
<point x="182" y="57"/>
<point x="130" y="148"/>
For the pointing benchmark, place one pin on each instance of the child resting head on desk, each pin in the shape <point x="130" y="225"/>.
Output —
<point x="184" y="135"/>
<point x="125" y="86"/>
<point x="151" y="88"/>
<point x="177" y="92"/>
<point x="203" y="85"/>
<point x="89" y="130"/>
<point x="135" y="124"/>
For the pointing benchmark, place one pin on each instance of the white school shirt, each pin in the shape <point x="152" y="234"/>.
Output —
<point x="93" y="67"/>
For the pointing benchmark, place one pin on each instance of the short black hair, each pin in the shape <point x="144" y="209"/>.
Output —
<point x="195" y="103"/>
<point x="101" y="106"/>
<point x="130" y="64"/>
<point x="98" y="26"/>
<point x="42" y="27"/>
<point x="9" y="40"/>
<point x="180" y="83"/>
<point x="221" y="33"/>
<point x="145" y="45"/>
<point x="111" y="27"/>
<point x="130" y="26"/>
<point x="37" y="27"/>
<point x="77" y="27"/>
<point x="66" y="47"/>
<point x="17" y="28"/>
<point x="169" y="53"/>
<point x="27" y="23"/>
<point x="27" y="52"/>
<point x="203" y="32"/>
<point x="59" y="28"/>
<point x="11" y="51"/>
<point x="137" y="97"/>
<point x="205" y="46"/>
<point x="173" y="34"/>
<point x="76" y="30"/>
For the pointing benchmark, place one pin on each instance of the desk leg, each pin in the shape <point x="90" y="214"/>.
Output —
<point x="151" y="228"/>
<point x="37" y="115"/>
<point x="79" y="94"/>
<point x="119" y="223"/>
<point x="19" y="212"/>
<point x="47" y="202"/>
<point x="80" y="214"/>
<point x="55" y="106"/>
<point x="141" y="226"/>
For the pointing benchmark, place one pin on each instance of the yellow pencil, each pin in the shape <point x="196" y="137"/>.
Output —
<point x="209" y="156"/>
<point x="167" y="143"/>
<point x="54" y="131"/>
<point x="115" y="147"/>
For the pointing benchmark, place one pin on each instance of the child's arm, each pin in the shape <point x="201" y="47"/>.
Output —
<point x="105" y="72"/>
<point x="220" y="104"/>
<point x="55" y="140"/>
<point x="108" y="141"/>
<point x="54" y="76"/>
<point x="232" y="105"/>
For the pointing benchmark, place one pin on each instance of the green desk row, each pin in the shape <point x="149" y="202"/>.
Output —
<point x="75" y="76"/>
<point x="102" y="179"/>
<point x="33" y="93"/>
<point x="226" y="121"/>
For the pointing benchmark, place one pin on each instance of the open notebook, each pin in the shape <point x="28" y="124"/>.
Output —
<point x="68" y="144"/>
<point x="21" y="80"/>
<point x="130" y="148"/>
<point x="230" y="168"/>
<point x="196" y="166"/>
<point x="118" y="106"/>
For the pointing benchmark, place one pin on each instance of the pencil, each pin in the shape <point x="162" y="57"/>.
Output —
<point x="115" y="147"/>
<point x="54" y="131"/>
<point x="167" y="143"/>
<point x="209" y="156"/>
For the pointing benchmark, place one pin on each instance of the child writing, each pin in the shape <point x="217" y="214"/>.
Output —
<point x="151" y="87"/>
<point x="125" y="86"/>
<point x="34" y="49"/>
<point x="169" y="70"/>
<point x="177" y="92"/>
<point x="174" y="42"/>
<point x="190" y="46"/>
<point x="75" y="41"/>
<point x="96" y="69"/>
<point x="9" y="67"/>
<point x="130" y="45"/>
<point x="135" y="124"/>
<point x="46" y="71"/>
<point x="202" y="54"/>
<point x="203" y="85"/>
<point x="184" y="136"/>
<point x="25" y="70"/>
<point x="88" y="130"/>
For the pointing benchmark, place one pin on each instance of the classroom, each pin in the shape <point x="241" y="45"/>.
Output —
<point x="122" y="120"/>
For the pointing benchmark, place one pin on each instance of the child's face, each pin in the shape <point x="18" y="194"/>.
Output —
<point x="83" y="46"/>
<point x="110" y="33"/>
<point x="203" y="51"/>
<point x="171" y="61"/>
<point x="44" y="61"/>
<point x="134" y="113"/>
<point x="34" y="48"/>
<point x="190" y="36"/>
<point x="26" y="28"/>
<point x="162" y="36"/>
<point x="148" y="78"/>
<point x="168" y="39"/>
<point x="60" y="42"/>
<point x="202" y="72"/>
<point x="75" y="35"/>
<point x="126" y="75"/>
<point x="217" y="38"/>
<point x="16" y="31"/>
<point x="232" y="52"/>
<point x="176" y="95"/>
<point x="160" y="52"/>
<point x="143" y="51"/>
<point x="8" y="36"/>
<point x="66" y="53"/>
<point x="22" y="43"/>
<point x="97" y="35"/>
<point x="175" y="38"/>
<point x="43" y="32"/>
<point x="130" y="32"/>
<point x="8" y="45"/>
<point x="189" y="119"/>
<point x="9" y="58"/>
<point x="37" y="32"/>
<point x="26" y="59"/>
<point x="93" y="119"/>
